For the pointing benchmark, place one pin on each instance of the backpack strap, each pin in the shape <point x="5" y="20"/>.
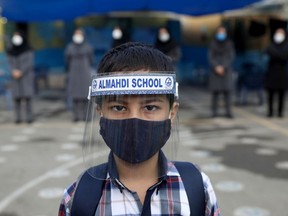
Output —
<point x="194" y="187"/>
<point x="88" y="192"/>
<point x="89" y="189"/>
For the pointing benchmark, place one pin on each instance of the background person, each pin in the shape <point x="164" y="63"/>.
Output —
<point x="221" y="55"/>
<point x="166" y="44"/>
<point x="21" y="61"/>
<point x="79" y="60"/>
<point x="119" y="36"/>
<point x="135" y="124"/>
<point x="276" y="80"/>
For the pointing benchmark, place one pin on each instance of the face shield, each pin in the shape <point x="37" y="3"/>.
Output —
<point x="132" y="120"/>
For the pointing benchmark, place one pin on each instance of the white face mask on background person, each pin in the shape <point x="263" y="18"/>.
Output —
<point x="164" y="37"/>
<point x="117" y="34"/>
<point x="279" y="38"/>
<point x="17" y="40"/>
<point x="78" y="38"/>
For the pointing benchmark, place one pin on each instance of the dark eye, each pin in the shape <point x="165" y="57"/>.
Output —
<point x="118" y="108"/>
<point x="151" y="107"/>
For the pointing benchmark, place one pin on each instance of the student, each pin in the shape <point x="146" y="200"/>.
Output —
<point x="120" y="36"/>
<point x="276" y="79"/>
<point x="168" y="45"/>
<point x="21" y="61"/>
<point x="221" y="55"/>
<point x="79" y="61"/>
<point x="132" y="99"/>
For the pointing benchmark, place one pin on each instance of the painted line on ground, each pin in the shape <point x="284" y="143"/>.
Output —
<point x="266" y="123"/>
<point x="14" y="195"/>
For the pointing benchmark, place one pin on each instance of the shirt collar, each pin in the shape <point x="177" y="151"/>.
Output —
<point x="167" y="169"/>
<point x="113" y="173"/>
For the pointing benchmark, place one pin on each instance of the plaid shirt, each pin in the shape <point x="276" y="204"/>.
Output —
<point x="168" y="196"/>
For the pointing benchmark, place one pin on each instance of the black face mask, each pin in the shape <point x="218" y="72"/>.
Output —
<point x="135" y="140"/>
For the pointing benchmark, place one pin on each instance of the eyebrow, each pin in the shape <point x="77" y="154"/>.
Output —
<point x="154" y="99"/>
<point x="146" y="99"/>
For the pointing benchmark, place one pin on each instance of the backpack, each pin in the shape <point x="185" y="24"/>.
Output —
<point x="87" y="202"/>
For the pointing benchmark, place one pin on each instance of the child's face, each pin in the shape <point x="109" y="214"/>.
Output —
<point x="146" y="107"/>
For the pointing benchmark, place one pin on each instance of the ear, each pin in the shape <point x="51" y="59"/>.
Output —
<point x="174" y="111"/>
<point x="99" y="110"/>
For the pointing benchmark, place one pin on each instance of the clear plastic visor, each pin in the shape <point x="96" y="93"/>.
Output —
<point x="136" y="133"/>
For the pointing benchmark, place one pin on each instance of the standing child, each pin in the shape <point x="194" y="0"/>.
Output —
<point x="133" y="108"/>
<point x="21" y="61"/>
<point x="79" y="61"/>
<point x="168" y="45"/>
<point x="276" y="78"/>
<point x="221" y="55"/>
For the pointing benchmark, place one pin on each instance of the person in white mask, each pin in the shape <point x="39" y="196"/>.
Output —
<point x="17" y="40"/>
<point x="21" y="61"/>
<point x="78" y="37"/>
<point x="279" y="36"/>
<point x="166" y="44"/>
<point x="117" y="33"/>
<point x="276" y="79"/>
<point x="119" y="36"/>
<point x="79" y="60"/>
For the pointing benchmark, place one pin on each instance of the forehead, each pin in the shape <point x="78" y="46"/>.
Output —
<point x="280" y="30"/>
<point x="163" y="30"/>
<point x="221" y="29"/>
<point x="78" y="31"/>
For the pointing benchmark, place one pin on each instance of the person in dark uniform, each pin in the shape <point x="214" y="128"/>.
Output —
<point x="79" y="61"/>
<point x="276" y="80"/>
<point x="21" y="61"/>
<point x="119" y="36"/>
<point x="166" y="44"/>
<point x="221" y="55"/>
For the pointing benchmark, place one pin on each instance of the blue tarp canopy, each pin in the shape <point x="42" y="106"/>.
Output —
<point x="49" y="10"/>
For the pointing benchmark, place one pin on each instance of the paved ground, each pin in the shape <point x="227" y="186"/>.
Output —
<point x="246" y="157"/>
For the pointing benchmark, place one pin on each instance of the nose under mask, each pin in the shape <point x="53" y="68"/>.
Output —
<point x="135" y="140"/>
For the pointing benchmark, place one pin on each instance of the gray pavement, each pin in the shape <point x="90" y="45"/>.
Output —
<point x="246" y="157"/>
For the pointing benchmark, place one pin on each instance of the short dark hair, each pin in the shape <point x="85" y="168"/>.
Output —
<point x="136" y="56"/>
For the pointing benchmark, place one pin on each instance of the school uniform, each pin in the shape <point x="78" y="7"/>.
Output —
<point x="79" y="60"/>
<point x="22" y="58"/>
<point x="276" y="78"/>
<point x="166" y="197"/>
<point x="221" y="53"/>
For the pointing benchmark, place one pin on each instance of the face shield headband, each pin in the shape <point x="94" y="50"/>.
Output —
<point x="116" y="84"/>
